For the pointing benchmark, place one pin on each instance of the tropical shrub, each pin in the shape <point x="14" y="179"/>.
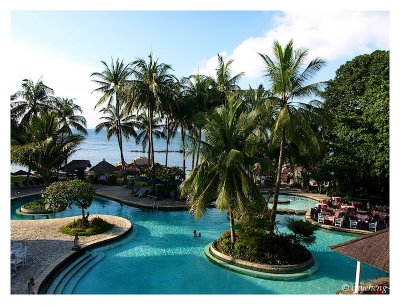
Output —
<point x="303" y="231"/>
<point x="96" y="226"/>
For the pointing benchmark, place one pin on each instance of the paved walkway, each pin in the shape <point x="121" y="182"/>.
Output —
<point x="123" y="194"/>
<point x="48" y="247"/>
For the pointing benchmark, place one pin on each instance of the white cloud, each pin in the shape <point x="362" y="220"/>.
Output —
<point x="67" y="77"/>
<point x="330" y="35"/>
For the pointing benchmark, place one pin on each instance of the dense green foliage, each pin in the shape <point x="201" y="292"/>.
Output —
<point x="303" y="231"/>
<point x="358" y="140"/>
<point x="60" y="195"/>
<point x="95" y="226"/>
<point x="276" y="249"/>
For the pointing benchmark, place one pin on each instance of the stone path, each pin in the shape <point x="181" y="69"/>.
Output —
<point x="123" y="194"/>
<point x="48" y="247"/>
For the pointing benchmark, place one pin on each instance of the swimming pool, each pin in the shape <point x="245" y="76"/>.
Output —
<point x="161" y="256"/>
<point x="296" y="202"/>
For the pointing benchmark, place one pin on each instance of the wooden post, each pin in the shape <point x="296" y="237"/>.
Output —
<point x="358" y="273"/>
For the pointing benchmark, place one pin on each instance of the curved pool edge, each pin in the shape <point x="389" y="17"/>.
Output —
<point x="259" y="274"/>
<point x="53" y="270"/>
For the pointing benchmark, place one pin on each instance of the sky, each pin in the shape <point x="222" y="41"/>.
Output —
<point x="65" y="47"/>
<point x="64" y="41"/>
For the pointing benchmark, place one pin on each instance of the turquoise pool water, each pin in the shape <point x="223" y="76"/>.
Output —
<point x="296" y="202"/>
<point x="161" y="256"/>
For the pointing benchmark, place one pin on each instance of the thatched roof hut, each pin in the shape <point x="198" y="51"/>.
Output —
<point x="19" y="173"/>
<point x="372" y="249"/>
<point x="77" y="165"/>
<point x="103" y="167"/>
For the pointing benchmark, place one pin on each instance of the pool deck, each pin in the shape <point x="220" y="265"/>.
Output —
<point x="48" y="247"/>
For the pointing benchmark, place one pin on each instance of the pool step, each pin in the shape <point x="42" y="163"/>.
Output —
<point x="58" y="282"/>
<point x="69" y="277"/>
<point x="70" y="286"/>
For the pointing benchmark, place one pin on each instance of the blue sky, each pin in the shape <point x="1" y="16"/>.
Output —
<point x="65" y="47"/>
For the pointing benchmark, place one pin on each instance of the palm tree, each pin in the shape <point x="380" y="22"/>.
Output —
<point x="152" y="84"/>
<point x="141" y="122"/>
<point x="289" y="82"/>
<point x="224" y="80"/>
<point x="112" y="81"/>
<point x="223" y="171"/>
<point x="36" y="97"/>
<point x="46" y="146"/>
<point x="199" y="93"/>
<point x="69" y="118"/>
<point x="117" y="123"/>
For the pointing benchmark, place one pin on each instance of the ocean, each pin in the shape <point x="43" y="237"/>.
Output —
<point x="95" y="148"/>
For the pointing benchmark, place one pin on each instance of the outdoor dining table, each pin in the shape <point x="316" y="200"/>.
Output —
<point x="380" y="215"/>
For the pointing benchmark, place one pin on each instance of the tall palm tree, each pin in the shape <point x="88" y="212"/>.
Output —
<point x="199" y="93"/>
<point x="117" y="123"/>
<point x="152" y="84"/>
<point x="33" y="98"/>
<point x="289" y="78"/>
<point x="112" y="81"/>
<point x="223" y="171"/>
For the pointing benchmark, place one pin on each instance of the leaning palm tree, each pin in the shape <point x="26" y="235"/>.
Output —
<point x="111" y="83"/>
<point x="32" y="99"/>
<point x="152" y="84"/>
<point x="223" y="172"/>
<point x="117" y="123"/>
<point x="289" y="84"/>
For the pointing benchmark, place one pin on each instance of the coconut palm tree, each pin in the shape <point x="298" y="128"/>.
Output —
<point x="32" y="99"/>
<point x="152" y="84"/>
<point x="289" y="78"/>
<point x="200" y="94"/>
<point x="141" y="122"/>
<point x="223" y="172"/>
<point x="117" y="123"/>
<point x="69" y="118"/>
<point x="112" y="81"/>
<point x="224" y="81"/>
<point x="47" y="146"/>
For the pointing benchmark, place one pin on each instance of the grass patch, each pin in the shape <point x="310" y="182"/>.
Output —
<point x="95" y="226"/>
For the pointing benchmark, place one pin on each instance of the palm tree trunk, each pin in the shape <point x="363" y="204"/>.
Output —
<point x="278" y="179"/>
<point x="151" y="147"/>
<point x="29" y="171"/>
<point x="198" y="148"/>
<point x="183" y="152"/>
<point x="119" y="137"/>
<point x="232" y="226"/>
<point x="166" y="151"/>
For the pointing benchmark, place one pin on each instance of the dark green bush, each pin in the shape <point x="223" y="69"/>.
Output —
<point x="112" y="179"/>
<point x="303" y="231"/>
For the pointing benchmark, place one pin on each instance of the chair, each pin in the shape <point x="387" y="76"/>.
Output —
<point x="353" y="224"/>
<point x="21" y="253"/>
<point x="321" y="218"/>
<point x="372" y="226"/>
<point x="339" y="222"/>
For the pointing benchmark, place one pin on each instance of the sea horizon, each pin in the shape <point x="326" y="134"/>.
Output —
<point x="96" y="147"/>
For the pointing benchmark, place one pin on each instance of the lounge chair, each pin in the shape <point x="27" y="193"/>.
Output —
<point x="321" y="218"/>
<point x="142" y="192"/>
<point x="353" y="224"/>
<point x="339" y="222"/>
<point x="372" y="226"/>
